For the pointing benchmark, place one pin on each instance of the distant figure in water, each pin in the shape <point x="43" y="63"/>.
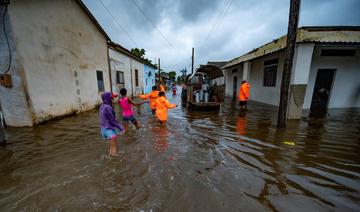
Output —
<point x="126" y="104"/>
<point x="110" y="127"/>
<point x="162" y="88"/>
<point x="244" y="94"/>
<point x="152" y="96"/>
<point x="174" y="89"/>
<point x="162" y="106"/>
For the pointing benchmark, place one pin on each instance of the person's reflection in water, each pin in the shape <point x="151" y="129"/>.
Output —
<point x="241" y="124"/>
<point x="161" y="143"/>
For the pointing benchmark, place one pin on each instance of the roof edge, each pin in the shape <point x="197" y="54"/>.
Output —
<point x="93" y="19"/>
<point x="121" y="49"/>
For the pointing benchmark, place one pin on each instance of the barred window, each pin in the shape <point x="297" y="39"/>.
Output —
<point x="270" y="73"/>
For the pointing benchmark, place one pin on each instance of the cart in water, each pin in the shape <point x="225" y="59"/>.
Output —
<point x="204" y="89"/>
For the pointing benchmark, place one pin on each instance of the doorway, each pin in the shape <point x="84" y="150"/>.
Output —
<point x="322" y="91"/>
<point x="235" y="88"/>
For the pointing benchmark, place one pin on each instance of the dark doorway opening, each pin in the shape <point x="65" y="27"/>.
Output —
<point x="235" y="88"/>
<point x="322" y="90"/>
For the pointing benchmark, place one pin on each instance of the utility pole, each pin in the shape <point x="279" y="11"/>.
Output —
<point x="159" y="69"/>
<point x="288" y="60"/>
<point x="192" y="61"/>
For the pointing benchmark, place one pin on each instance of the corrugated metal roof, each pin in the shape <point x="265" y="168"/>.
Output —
<point x="333" y="34"/>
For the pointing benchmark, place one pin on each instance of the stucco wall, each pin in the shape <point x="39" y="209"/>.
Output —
<point x="126" y="64"/>
<point x="150" y="79"/>
<point x="13" y="101"/>
<point x="54" y="39"/>
<point x="347" y="78"/>
<point x="229" y="79"/>
<point x="268" y="95"/>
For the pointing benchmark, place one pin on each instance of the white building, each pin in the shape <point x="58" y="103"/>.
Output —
<point x="127" y="70"/>
<point x="58" y="60"/>
<point x="325" y="74"/>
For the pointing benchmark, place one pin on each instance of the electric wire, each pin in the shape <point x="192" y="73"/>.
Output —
<point x="148" y="19"/>
<point x="116" y="21"/>
<point x="7" y="41"/>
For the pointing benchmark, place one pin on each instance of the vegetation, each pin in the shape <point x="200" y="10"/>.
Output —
<point x="140" y="53"/>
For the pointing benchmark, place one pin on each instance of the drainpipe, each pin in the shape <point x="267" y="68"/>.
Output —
<point x="110" y="78"/>
<point x="131" y="76"/>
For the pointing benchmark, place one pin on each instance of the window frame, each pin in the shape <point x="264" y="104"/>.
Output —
<point x="100" y="82"/>
<point x="118" y="78"/>
<point x="270" y="72"/>
<point x="136" y="78"/>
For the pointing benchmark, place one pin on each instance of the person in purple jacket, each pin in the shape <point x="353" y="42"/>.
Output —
<point x="110" y="127"/>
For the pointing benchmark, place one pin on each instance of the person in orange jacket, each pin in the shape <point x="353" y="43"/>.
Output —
<point x="162" y="88"/>
<point x="153" y="95"/>
<point x="244" y="94"/>
<point x="162" y="106"/>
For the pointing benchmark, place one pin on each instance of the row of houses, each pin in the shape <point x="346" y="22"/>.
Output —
<point x="325" y="73"/>
<point x="56" y="59"/>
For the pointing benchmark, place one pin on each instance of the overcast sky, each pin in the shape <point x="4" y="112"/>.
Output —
<point x="219" y="30"/>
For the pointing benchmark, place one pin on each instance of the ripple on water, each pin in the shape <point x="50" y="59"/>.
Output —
<point x="217" y="161"/>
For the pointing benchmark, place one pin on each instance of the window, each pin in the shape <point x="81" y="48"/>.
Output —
<point x="136" y="78"/>
<point x="270" y="72"/>
<point x="234" y="71"/>
<point x="120" y="77"/>
<point x="338" y="52"/>
<point x="146" y="82"/>
<point x="100" y="81"/>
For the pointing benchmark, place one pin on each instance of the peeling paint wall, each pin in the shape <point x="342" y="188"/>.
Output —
<point x="126" y="64"/>
<point x="13" y="100"/>
<point x="53" y="40"/>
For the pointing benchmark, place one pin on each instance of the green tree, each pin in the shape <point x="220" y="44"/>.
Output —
<point x="172" y="75"/>
<point x="140" y="53"/>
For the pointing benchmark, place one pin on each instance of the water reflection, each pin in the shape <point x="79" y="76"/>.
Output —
<point x="195" y="163"/>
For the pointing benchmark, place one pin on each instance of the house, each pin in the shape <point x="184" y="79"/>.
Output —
<point x="53" y="60"/>
<point x="164" y="78"/>
<point x="128" y="70"/>
<point x="325" y="73"/>
<point x="149" y="77"/>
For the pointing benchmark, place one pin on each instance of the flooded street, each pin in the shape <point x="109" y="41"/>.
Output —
<point x="201" y="161"/>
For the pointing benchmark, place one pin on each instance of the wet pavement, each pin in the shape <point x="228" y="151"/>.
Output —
<point x="201" y="161"/>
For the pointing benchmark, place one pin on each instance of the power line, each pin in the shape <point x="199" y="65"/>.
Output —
<point x="217" y="20"/>
<point x="222" y="18"/>
<point x="148" y="19"/>
<point x="115" y="20"/>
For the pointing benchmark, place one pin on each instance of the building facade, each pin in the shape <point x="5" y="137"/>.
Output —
<point x="149" y="77"/>
<point x="58" y="60"/>
<point x="128" y="71"/>
<point x="326" y="70"/>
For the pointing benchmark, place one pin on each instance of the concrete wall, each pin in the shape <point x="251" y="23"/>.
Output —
<point x="346" y="86"/>
<point x="267" y="95"/>
<point x="54" y="39"/>
<point x="13" y="100"/>
<point x="126" y="64"/>
<point x="229" y="79"/>
<point x="149" y="81"/>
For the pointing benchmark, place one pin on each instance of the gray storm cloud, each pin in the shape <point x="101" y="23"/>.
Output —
<point x="219" y="30"/>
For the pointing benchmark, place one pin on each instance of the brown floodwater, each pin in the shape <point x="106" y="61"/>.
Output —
<point x="201" y="161"/>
